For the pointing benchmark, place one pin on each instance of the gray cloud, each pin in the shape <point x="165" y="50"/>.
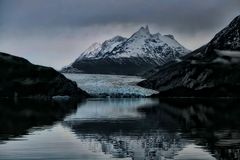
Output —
<point x="44" y="29"/>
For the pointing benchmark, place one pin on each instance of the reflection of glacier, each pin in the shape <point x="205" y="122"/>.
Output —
<point x="148" y="146"/>
<point x="123" y="132"/>
<point x="110" y="109"/>
<point x="159" y="131"/>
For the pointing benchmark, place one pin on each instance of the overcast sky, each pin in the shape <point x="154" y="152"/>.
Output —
<point x="55" y="32"/>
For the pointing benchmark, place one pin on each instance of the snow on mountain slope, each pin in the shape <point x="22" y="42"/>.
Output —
<point x="140" y="44"/>
<point x="141" y="52"/>
<point x="97" y="50"/>
<point x="109" y="45"/>
<point x="144" y="44"/>
<point x="91" y="52"/>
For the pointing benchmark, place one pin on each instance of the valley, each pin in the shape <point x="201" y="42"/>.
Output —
<point x="90" y="80"/>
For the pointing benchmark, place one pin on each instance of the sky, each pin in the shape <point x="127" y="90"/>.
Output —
<point x="55" y="32"/>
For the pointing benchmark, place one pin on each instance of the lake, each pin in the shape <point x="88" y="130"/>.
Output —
<point x="123" y="129"/>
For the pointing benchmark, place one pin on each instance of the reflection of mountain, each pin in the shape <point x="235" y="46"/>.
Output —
<point x="20" y="78"/>
<point x="165" y="129"/>
<point x="16" y="118"/>
<point x="124" y="128"/>
<point x="148" y="145"/>
<point x="213" y="124"/>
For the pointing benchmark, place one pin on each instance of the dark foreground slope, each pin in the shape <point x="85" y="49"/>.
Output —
<point x="212" y="70"/>
<point x="20" y="78"/>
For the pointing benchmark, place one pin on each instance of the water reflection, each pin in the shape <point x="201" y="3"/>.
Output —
<point x="139" y="129"/>
<point x="18" y="117"/>
<point x="171" y="129"/>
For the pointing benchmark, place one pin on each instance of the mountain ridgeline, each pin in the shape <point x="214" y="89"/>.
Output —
<point x="20" y="78"/>
<point x="210" y="71"/>
<point x="129" y="56"/>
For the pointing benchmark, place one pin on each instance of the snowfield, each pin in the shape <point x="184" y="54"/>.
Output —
<point x="100" y="85"/>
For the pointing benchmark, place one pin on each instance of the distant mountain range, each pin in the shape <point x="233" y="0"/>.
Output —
<point x="213" y="70"/>
<point x="210" y="71"/>
<point x="130" y="56"/>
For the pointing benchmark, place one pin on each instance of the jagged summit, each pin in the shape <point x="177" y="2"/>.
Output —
<point x="143" y="31"/>
<point x="147" y="28"/>
<point x="140" y="44"/>
<point x="142" y="48"/>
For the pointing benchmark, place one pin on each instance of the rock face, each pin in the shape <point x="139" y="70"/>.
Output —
<point x="20" y="78"/>
<point x="212" y="70"/>
<point x="131" y="56"/>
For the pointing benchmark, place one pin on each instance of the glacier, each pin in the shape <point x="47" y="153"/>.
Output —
<point x="100" y="85"/>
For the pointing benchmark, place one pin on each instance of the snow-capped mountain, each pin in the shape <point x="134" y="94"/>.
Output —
<point x="91" y="52"/>
<point x="134" y="55"/>
<point x="212" y="70"/>
<point x="144" y="44"/>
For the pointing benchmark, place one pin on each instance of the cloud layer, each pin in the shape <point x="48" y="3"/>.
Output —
<point x="54" y="32"/>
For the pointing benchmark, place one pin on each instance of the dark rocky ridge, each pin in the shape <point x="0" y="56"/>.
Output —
<point x="20" y="78"/>
<point x="118" y="66"/>
<point x="205" y="72"/>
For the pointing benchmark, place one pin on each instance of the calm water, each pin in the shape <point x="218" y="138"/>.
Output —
<point x="139" y="129"/>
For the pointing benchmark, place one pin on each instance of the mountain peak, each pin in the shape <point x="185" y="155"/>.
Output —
<point x="142" y="51"/>
<point x="141" y="44"/>
<point x="147" y="28"/>
<point x="143" y="30"/>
